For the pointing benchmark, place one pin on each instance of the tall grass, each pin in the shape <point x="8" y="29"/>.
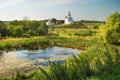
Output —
<point x="14" y="43"/>
<point x="21" y="42"/>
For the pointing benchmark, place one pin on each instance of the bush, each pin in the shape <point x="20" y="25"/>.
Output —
<point x="110" y="32"/>
<point x="18" y="31"/>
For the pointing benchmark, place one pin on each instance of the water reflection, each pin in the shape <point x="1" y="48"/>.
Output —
<point x="26" y="58"/>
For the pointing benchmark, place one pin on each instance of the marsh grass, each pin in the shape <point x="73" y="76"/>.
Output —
<point x="20" y="42"/>
<point x="14" y="43"/>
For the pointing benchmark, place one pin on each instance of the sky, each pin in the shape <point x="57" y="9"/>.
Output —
<point x="47" y="9"/>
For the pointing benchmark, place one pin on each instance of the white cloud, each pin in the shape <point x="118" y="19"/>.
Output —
<point x="85" y="1"/>
<point x="10" y="3"/>
<point x="37" y="3"/>
<point x="56" y="2"/>
<point x="49" y="3"/>
<point x="46" y="3"/>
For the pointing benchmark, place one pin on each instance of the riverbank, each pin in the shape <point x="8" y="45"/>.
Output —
<point x="41" y="42"/>
<point x="35" y="43"/>
<point x="13" y="43"/>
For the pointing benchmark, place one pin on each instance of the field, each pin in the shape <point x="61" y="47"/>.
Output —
<point x="70" y="32"/>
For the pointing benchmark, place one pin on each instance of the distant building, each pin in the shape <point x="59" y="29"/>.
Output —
<point x="49" y="23"/>
<point x="68" y="19"/>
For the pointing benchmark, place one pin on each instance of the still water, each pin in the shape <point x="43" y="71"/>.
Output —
<point x="27" y="58"/>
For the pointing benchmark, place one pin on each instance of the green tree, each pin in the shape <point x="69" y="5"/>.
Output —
<point x="54" y="20"/>
<point x="26" y="28"/>
<point x="113" y="28"/>
<point x="42" y="29"/>
<point x="112" y="36"/>
<point x="110" y="32"/>
<point x="15" y="23"/>
<point x="113" y="19"/>
<point x="60" y="22"/>
<point x="18" y="31"/>
<point x="10" y="29"/>
<point x="3" y="29"/>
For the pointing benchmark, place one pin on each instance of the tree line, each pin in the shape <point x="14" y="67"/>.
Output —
<point x="92" y="21"/>
<point x="23" y="28"/>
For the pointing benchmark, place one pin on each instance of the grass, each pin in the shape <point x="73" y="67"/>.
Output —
<point x="12" y="43"/>
<point x="41" y="42"/>
<point x="65" y="32"/>
<point x="91" y="24"/>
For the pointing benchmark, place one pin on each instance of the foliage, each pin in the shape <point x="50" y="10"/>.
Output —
<point x="42" y="29"/>
<point x="54" y="20"/>
<point x="11" y="43"/>
<point x="113" y="19"/>
<point x="110" y="32"/>
<point x="18" y="31"/>
<point x="3" y="29"/>
<point x="113" y="28"/>
<point x="23" y="28"/>
<point x="96" y="61"/>
<point x="112" y="36"/>
<point x="60" y="22"/>
<point x="21" y="42"/>
<point x="34" y="75"/>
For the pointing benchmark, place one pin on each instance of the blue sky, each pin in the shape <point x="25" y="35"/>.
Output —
<point x="45" y="9"/>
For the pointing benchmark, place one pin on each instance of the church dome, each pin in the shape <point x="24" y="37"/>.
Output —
<point x="68" y="19"/>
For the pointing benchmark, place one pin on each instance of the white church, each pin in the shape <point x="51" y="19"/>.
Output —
<point x="68" y="19"/>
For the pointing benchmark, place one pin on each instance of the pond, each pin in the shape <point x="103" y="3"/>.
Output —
<point x="23" y="58"/>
